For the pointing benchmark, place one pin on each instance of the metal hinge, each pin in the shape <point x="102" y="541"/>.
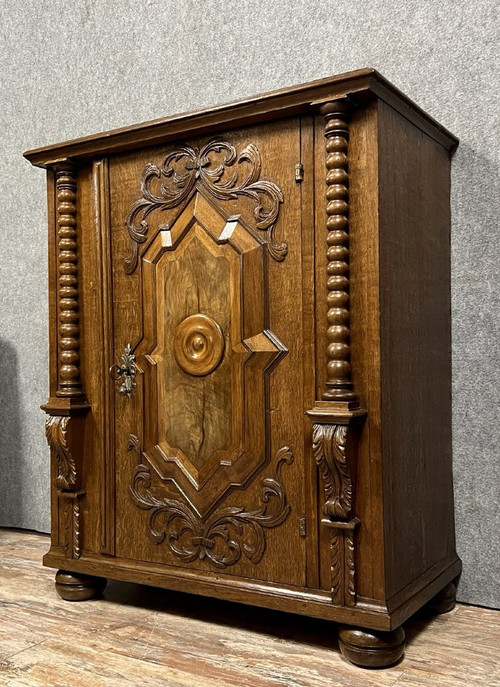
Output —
<point x="299" y="173"/>
<point x="302" y="527"/>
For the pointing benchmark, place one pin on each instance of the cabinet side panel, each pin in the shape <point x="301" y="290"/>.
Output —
<point x="365" y="345"/>
<point x="414" y="175"/>
<point x="52" y="293"/>
<point x="91" y="354"/>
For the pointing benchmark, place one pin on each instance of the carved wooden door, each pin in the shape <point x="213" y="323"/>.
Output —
<point x="206" y="457"/>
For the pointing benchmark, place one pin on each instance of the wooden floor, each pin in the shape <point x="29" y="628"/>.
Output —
<point x="150" y="637"/>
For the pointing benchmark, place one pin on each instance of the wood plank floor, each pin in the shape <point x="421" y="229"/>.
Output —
<point x="150" y="637"/>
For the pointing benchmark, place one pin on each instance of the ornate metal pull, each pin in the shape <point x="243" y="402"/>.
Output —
<point x="125" y="372"/>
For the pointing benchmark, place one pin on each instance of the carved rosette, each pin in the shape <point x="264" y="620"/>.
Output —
<point x="336" y="417"/>
<point x="198" y="344"/>
<point x="188" y="169"/>
<point x="224" y="536"/>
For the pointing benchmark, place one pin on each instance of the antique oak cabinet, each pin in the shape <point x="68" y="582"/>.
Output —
<point x="250" y="358"/>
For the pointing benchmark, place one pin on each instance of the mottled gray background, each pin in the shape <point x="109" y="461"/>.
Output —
<point x="74" y="68"/>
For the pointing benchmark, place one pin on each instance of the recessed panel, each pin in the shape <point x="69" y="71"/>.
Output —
<point x="194" y="348"/>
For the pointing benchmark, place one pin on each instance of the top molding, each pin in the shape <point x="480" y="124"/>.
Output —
<point x="360" y="86"/>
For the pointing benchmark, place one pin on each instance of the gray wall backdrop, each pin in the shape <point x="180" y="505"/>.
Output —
<point x="74" y="68"/>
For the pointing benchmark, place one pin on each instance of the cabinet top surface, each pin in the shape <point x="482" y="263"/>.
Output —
<point x="360" y="86"/>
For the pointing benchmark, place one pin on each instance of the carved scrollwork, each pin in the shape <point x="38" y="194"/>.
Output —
<point x="225" y="535"/>
<point x="56" y="431"/>
<point x="185" y="169"/>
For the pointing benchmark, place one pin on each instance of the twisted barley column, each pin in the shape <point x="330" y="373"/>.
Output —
<point x="69" y="384"/>
<point x="338" y="379"/>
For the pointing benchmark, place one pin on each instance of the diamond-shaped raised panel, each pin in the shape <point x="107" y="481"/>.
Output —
<point x="206" y="354"/>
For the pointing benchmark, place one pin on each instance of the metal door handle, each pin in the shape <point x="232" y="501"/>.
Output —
<point x="125" y="372"/>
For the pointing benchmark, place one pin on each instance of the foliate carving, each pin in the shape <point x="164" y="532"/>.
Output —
<point x="66" y="526"/>
<point x="186" y="169"/>
<point x="224" y="536"/>
<point x="69" y="384"/>
<point x="329" y="449"/>
<point x="349" y="565"/>
<point x="70" y="533"/>
<point x="343" y="562"/>
<point x="336" y="567"/>
<point x="56" y="431"/>
<point x="338" y="381"/>
<point x="76" y="548"/>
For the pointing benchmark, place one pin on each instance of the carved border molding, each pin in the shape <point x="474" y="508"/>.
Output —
<point x="198" y="171"/>
<point x="225" y="535"/>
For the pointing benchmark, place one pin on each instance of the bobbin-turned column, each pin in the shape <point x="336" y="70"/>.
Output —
<point x="67" y="407"/>
<point x="338" y="385"/>
<point x="337" y="415"/>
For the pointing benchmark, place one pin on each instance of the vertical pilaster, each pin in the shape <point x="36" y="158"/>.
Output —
<point x="337" y="415"/>
<point x="65" y="425"/>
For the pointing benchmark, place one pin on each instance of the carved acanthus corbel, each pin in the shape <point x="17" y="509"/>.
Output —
<point x="335" y="452"/>
<point x="56" y="431"/>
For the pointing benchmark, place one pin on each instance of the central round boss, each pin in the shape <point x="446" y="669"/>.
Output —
<point x="198" y="344"/>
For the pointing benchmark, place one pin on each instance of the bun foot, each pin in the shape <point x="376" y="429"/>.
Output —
<point x="371" y="648"/>
<point x="445" y="601"/>
<point x="75" y="587"/>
